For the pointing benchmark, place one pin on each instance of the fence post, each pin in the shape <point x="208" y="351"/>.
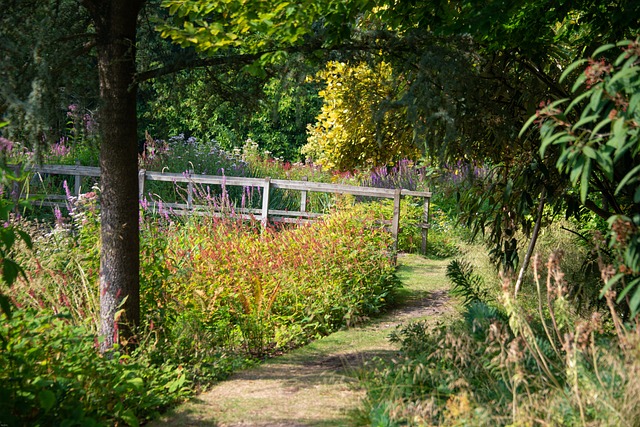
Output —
<point x="303" y="197"/>
<point x="395" y="223"/>
<point x="78" y="181"/>
<point x="16" y="187"/>
<point x="142" y="176"/>
<point x="190" y="191"/>
<point x="265" y="201"/>
<point x="425" y="225"/>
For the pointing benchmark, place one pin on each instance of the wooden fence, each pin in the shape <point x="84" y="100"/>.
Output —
<point x="265" y="213"/>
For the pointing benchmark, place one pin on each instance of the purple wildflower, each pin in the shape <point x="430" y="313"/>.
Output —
<point x="5" y="145"/>
<point x="58" y="215"/>
<point x="70" y="198"/>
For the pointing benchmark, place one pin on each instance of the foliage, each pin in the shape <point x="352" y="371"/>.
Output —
<point x="403" y="174"/>
<point x="53" y="375"/>
<point x="466" y="284"/>
<point x="228" y="106"/>
<point x="507" y="365"/>
<point x="37" y="77"/>
<point x="596" y="143"/>
<point x="62" y="268"/>
<point x="215" y="295"/>
<point x="277" y="288"/>
<point x="9" y="234"/>
<point x="266" y="28"/>
<point x="357" y="127"/>
<point x="477" y="72"/>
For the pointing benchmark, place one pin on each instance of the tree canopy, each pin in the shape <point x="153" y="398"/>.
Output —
<point x="347" y="134"/>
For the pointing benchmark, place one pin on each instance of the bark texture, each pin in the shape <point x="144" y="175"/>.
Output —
<point x="115" y="23"/>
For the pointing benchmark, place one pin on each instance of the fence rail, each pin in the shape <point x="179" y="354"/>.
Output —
<point x="265" y="213"/>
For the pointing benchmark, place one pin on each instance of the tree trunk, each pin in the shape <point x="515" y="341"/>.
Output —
<point x="115" y="22"/>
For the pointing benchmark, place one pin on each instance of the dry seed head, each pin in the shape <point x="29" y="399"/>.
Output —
<point x="583" y="334"/>
<point x="568" y="343"/>
<point x="515" y="352"/>
<point x="607" y="272"/>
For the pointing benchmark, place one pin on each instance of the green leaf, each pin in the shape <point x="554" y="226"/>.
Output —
<point x="527" y="124"/>
<point x="130" y="418"/>
<point x="596" y="97"/>
<point x="589" y="152"/>
<point x="584" y="182"/>
<point x="624" y="73"/>
<point x="630" y="177"/>
<point x="576" y="170"/>
<point x="10" y="271"/>
<point x="557" y="138"/>
<point x="584" y="120"/>
<point x="633" y="103"/>
<point x="603" y="48"/>
<point x="635" y="300"/>
<point x="25" y="238"/>
<point x="600" y="125"/>
<point x="137" y="383"/>
<point x="615" y="279"/>
<point x="579" y="81"/>
<point x="570" y="68"/>
<point x="47" y="399"/>
<point x="625" y="291"/>
<point x="576" y="100"/>
<point x="5" y="305"/>
<point x="175" y="385"/>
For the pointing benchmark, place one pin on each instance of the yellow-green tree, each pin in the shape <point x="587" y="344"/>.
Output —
<point x="360" y="124"/>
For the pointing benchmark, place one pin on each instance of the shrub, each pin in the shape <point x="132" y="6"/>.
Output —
<point x="53" y="375"/>
<point x="260" y="289"/>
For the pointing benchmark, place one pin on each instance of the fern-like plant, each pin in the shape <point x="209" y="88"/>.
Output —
<point x="466" y="284"/>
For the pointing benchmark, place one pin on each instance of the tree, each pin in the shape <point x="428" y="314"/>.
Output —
<point x="43" y="71"/>
<point x="596" y="142"/>
<point x="36" y="60"/>
<point x="115" y="24"/>
<point x="478" y="71"/>
<point x="356" y="128"/>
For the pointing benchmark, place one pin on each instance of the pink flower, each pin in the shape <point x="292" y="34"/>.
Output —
<point x="5" y="145"/>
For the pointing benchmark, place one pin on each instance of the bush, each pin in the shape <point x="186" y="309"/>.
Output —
<point x="274" y="288"/>
<point x="53" y="375"/>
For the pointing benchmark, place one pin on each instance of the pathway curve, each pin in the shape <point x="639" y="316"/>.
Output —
<point x="311" y="386"/>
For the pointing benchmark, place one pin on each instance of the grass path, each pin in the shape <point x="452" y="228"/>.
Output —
<point x="312" y="386"/>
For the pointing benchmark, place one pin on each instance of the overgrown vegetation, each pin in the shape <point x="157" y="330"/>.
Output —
<point x="544" y="357"/>
<point x="510" y="362"/>
<point x="449" y="83"/>
<point x="216" y="294"/>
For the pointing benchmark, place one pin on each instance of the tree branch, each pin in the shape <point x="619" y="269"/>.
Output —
<point x="604" y="214"/>
<point x="532" y="244"/>
<point x="313" y="45"/>
<point x="543" y="77"/>
<point x="191" y="62"/>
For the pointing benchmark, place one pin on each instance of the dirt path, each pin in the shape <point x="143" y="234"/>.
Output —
<point x="311" y="386"/>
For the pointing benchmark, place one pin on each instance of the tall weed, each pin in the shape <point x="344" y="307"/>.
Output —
<point x="504" y="364"/>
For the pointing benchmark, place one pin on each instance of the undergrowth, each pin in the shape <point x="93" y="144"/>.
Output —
<point x="510" y="362"/>
<point x="216" y="294"/>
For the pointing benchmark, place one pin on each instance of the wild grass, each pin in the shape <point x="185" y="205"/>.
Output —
<point x="538" y="359"/>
